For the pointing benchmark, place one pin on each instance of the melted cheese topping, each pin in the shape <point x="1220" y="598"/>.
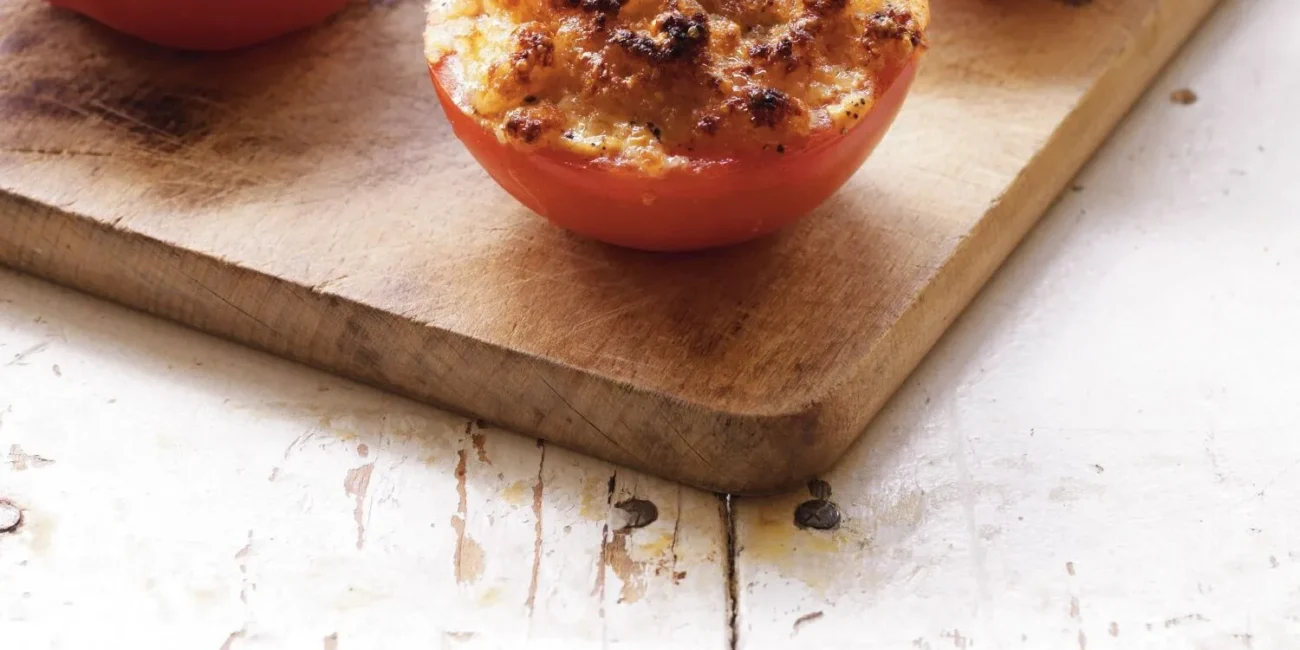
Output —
<point x="652" y="83"/>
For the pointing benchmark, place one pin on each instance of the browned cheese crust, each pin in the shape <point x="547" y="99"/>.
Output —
<point x="653" y="82"/>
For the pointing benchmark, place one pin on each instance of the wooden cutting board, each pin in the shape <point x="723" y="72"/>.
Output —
<point x="308" y="198"/>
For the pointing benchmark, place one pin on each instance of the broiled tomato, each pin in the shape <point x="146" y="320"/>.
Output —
<point x="673" y="125"/>
<point x="205" y="24"/>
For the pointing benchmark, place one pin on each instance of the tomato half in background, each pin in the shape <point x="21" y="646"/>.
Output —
<point x="743" y="164"/>
<point x="205" y="24"/>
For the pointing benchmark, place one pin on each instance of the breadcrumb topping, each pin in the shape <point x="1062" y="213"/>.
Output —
<point x="654" y="83"/>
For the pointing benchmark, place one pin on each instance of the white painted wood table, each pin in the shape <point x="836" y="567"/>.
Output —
<point x="1103" y="453"/>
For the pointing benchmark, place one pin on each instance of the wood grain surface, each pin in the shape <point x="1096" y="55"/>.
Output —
<point x="307" y="198"/>
<point x="251" y="504"/>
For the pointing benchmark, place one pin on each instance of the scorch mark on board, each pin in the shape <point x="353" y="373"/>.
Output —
<point x="356" y="484"/>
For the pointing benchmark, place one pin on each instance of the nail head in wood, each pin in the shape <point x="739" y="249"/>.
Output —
<point x="11" y="516"/>
<point x="639" y="513"/>
<point x="818" y="514"/>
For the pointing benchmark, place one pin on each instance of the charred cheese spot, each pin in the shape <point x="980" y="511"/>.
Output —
<point x="597" y="6"/>
<point x="533" y="48"/>
<point x="708" y="125"/>
<point x="825" y="6"/>
<point x="647" y="82"/>
<point x="769" y="107"/>
<point x="527" y="125"/>
<point x="789" y="49"/>
<point x="890" y="26"/>
<point x="679" y="37"/>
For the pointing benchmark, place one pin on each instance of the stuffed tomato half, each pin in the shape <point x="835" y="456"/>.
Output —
<point x="673" y="125"/>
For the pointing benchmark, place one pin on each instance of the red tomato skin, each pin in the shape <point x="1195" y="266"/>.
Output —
<point x="706" y="206"/>
<point x="205" y="25"/>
